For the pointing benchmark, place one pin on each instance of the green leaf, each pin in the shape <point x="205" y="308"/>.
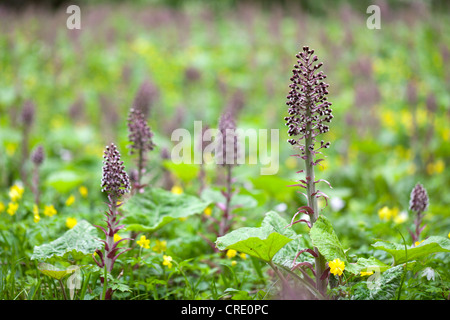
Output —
<point x="429" y="246"/>
<point x="78" y="242"/>
<point x="65" y="180"/>
<point x="263" y="242"/>
<point x="184" y="171"/>
<point x="52" y="271"/>
<point x="153" y="209"/>
<point x="380" y="286"/>
<point x="327" y="242"/>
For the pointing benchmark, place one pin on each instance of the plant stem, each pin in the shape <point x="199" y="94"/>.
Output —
<point x="62" y="289"/>
<point x="312" y="202"/>
<point x="105" y="284"/>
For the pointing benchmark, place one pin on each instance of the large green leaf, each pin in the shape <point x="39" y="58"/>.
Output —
<point x="429" y="246"/>
<point x="153" y="209"/>
<point x="52" y="271"/>
<point x="327" y="242"/>
<point x="263" y="242"/>
<point x="77" y="242"/>
<point x="65" y="180"/>
<point x="380" y="286"/>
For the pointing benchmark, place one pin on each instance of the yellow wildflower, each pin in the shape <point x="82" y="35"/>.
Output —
<point x="2" y="207"/>
<point x="160" y="246"/>
<point x="117" y="237"/>
<point x="83" y="191"/>
<point x="243" y="256"/>
<point x="417" y="243"/>
<point x="233" y="263"/>
<point x="36" y="217"/>
<point x="231" y="253"/>
<point x="70" y="200"/>
<point x="167" y="261"/>
<point x="49" y="211"/>
<point x="143" y="242"/>
<point x="12" y="208"/>
<point x="365" y="273"/>
<point x="387" y="214"/>
<point x="336" y="266"/>
<point x="449" y="235"/>
<point x="177" y="189"/>
<point x="71" y="222"/>
<point x="208" y="211"/>
<point x="15" y="192"/>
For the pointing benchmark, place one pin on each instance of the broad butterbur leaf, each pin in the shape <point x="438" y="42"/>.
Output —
<point x="77" y="242"/>
<point x="327" y="242"/>
<point x="153" y="209"/>
<point x="429" y="246"/>
<point x="263" y="242"/>
<point x="52" y="271"/>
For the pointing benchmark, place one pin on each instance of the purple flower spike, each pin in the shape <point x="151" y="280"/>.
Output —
<point x="419" y="199"/>
<point x="115" y="180"/>
<point x="140" y="134"/>
<point x="227" y="152"/>
<point x="309" y="110"/>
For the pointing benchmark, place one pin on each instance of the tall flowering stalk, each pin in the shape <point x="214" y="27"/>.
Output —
<point x="140" y="137"/>
<point x="37" y="157"/>
<point x="227" y="154"/>
<point x="309" y="114"/>
<point x="115" y="183"/>
<point x="419" y="204"/>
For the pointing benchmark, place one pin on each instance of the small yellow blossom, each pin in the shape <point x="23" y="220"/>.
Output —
<point x="117" y="237"/>
<point x="336" y="267"/>
<point x="70" y="200"/>
<point x="15" y="192"/>
<point x="71" y="222"/>
<point x="83" y="191"/>
<point x="12" y="208"/>
<point x="365" y="273"/>
<point x="233" y="263"/>
<point x="160" y="246"/>
<point x="208" y="211"/>
<point x="2" y="207"/>
<point x="167" y="261"/>
<point x="387" y="214"/>
<point x="243" y="256"/>
<point x="177" y="189"/>
<point x="417" y="243"/>
<point x="49" y="211"/>
<point x="448" y="235"/>
<point x="36" y="217"/>
<point x="231" y="253"/>
<point x="143" y="242"/>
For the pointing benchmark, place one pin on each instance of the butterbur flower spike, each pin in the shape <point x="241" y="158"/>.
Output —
<point x="227" y="151"/>
<point x="419" y="199"/>
<point x="418" y="203"/>
<point x="115" y="182"/>
<point x="140" y="137"/>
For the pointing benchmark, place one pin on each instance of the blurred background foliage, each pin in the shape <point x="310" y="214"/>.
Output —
<point x="389" y="88"/>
